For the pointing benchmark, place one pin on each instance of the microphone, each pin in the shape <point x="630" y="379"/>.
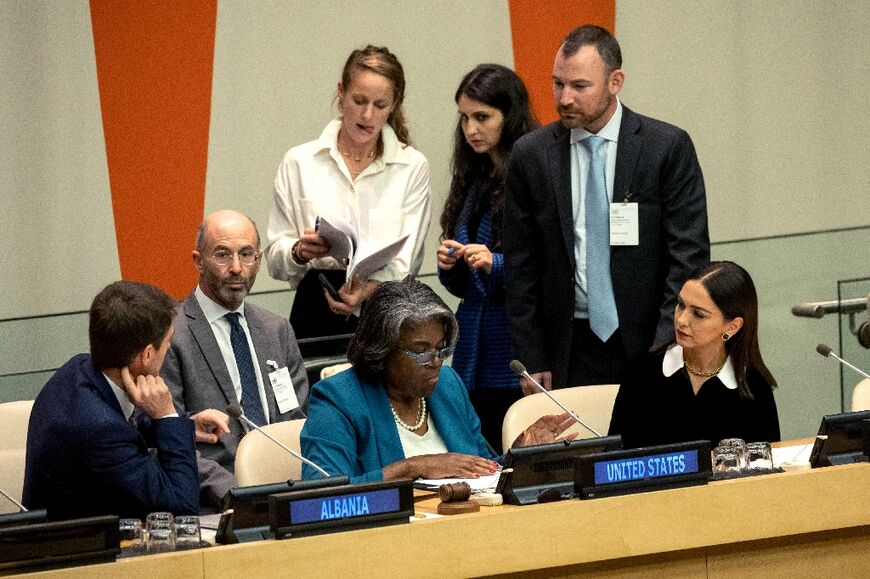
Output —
<point x="21" y="508"/>
<point x="520" y="370"/>
<point x="235" y="411"/>
<point x="826" y="351"/>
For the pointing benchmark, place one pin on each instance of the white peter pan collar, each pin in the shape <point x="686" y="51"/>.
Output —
<point x="674" y="360"/>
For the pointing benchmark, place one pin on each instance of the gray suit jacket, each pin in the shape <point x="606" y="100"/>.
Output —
<point x="196" y="374"/>
<point x="656" y="166"/>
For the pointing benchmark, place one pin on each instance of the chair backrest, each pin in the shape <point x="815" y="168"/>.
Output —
<point x="14" y="418"/>
<point x="861" y="396"/>
<point x="593" y="404"/>
<point x="260" y="461"/>
<point x="328" y="371"/>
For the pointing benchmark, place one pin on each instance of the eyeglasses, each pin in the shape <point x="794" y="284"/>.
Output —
<point x="428" y="358"/>
<point x="246" y="256"/>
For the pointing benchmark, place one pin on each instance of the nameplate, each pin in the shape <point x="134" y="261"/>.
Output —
<point x="642" y="469"/>
<point x="340" y="508"/>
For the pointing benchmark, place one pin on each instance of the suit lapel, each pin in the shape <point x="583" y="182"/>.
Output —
<point x="202" y="333"/>
<point x="627" y="154"/>
<point x="559" y="166"/>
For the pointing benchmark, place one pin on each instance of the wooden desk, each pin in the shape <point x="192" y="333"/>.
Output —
<point x="804" y="523"/>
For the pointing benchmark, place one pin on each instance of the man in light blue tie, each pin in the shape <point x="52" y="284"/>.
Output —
<point x="605" y="215"/>
<point x="227" y="351"/>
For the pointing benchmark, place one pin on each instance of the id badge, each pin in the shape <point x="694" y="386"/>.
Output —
<point x="624" y="224"/>
<point x="282" y="386"/>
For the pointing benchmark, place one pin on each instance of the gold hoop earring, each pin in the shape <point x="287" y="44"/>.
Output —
<point x="726" y="336"/>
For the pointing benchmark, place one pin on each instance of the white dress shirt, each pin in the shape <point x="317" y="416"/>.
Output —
<point x="220" y="327"/>
<point x="388" y="199"/>
<point x="580" y="160"/>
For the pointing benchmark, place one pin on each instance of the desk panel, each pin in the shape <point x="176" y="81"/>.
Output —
<point x="813" y="522"/>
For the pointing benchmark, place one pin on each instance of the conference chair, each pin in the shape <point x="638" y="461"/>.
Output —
<point x="14" y="418"/>
<point x="592" y="404"/>
<point x="861" y="396"/>
<point x="328" y="371"/>
<point x="260" y="461"/>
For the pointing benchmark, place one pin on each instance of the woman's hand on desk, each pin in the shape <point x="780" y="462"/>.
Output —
<point x="546" y="429"/>
<point x="445" y="465"/>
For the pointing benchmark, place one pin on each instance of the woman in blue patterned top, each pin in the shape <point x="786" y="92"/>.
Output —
<point x="494" y="112"/>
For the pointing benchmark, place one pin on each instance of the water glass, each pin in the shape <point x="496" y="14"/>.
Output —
<point x="739" y="446"/>
<point x="759" y="455"/>
<point x="187" y="532"/>
<point x="132" y="537"/>
<point x="160" y="529"/>
<point x="727" y="459"/>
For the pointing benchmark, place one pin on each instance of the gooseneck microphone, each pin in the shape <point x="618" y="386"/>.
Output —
<point x="520" y="370"/>
<point x="235" y="411"/>
<point x="826" y="351"/>
<point x="21" y="507"/>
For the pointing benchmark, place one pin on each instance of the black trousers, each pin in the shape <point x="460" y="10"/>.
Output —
<point x="593" y="361"/>
<point x="311" y="317"/>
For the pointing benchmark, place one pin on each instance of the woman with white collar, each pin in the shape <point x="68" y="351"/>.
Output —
<point x="362" y="171"/>
<point x="711" y="382"/>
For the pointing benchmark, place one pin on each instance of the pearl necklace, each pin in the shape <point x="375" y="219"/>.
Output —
<point x="421" y="417"/>
<point x="704" y="374"/>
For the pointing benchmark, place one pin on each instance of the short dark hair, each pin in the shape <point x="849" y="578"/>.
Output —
<point x="125" y="317"/>
<point x="600" y="38"/>
<point x="395" y="306"/>
<point x="732" y="290"/>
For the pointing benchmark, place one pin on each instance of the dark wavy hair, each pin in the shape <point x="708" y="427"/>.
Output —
<point x="124" y="318"/>
<point x="732" y="290"/>
<point x="499" y="87"/>
<point x="395" y="306"/>
<point x="380" y="60"/>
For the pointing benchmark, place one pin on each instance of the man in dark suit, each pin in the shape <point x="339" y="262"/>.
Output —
<point x="226" y="351"/>
<point x="93" y="422"/>
<point x="578" y="315"/>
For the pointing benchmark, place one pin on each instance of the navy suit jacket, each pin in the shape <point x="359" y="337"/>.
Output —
<point x="197" y="376"/>
<point x="85" y="459"/>
<point x="656" y="166"/>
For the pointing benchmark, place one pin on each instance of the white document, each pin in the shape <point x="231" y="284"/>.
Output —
<point x="362" y="259"/>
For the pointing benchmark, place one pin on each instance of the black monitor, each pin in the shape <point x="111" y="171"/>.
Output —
<point x="545" y="472"/>
<point x="842" y="439"/>
<point x="246" y="509"/>
<point x="23" y="518"/>
<point x="49" y="545"/>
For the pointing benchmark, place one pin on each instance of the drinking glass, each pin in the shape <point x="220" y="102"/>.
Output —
<point x="739" y="446"/>
<point x="759" y="455"/>
<point x="187" y="532"/>
<point x="160" y="529"/>
<point x="132" y="537"/>
<point x="727" y="459"/>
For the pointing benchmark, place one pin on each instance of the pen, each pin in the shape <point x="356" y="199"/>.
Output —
<point x="451" y="250"/>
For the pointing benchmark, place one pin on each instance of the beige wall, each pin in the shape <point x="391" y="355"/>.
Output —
<point x="771" y="92"/>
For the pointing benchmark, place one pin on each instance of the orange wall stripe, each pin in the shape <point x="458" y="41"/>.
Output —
<point x="538" y="28"/>
<point x="154" y="68"/>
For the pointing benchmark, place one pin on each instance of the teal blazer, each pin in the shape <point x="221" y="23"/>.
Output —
<point x="350" y="429"/>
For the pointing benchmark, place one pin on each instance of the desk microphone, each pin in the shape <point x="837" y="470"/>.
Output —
<point x="21" y="508"/>
<point x="826" y="351"/>
<point x="235" y="411"/>
<point x="520" y="370"/>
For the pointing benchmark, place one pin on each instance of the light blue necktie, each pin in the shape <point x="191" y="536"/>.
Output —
<point x="599" y="286"/>
<point x="251" y="403"/>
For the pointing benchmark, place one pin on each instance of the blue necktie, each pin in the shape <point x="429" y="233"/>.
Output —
<point x="599" y="286"/>
<point x="250" y="393"/>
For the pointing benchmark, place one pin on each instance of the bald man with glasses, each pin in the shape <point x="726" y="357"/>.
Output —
<point x="226" y="351"/>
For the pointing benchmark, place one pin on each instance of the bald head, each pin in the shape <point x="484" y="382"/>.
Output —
<point x="224" y="242"/>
